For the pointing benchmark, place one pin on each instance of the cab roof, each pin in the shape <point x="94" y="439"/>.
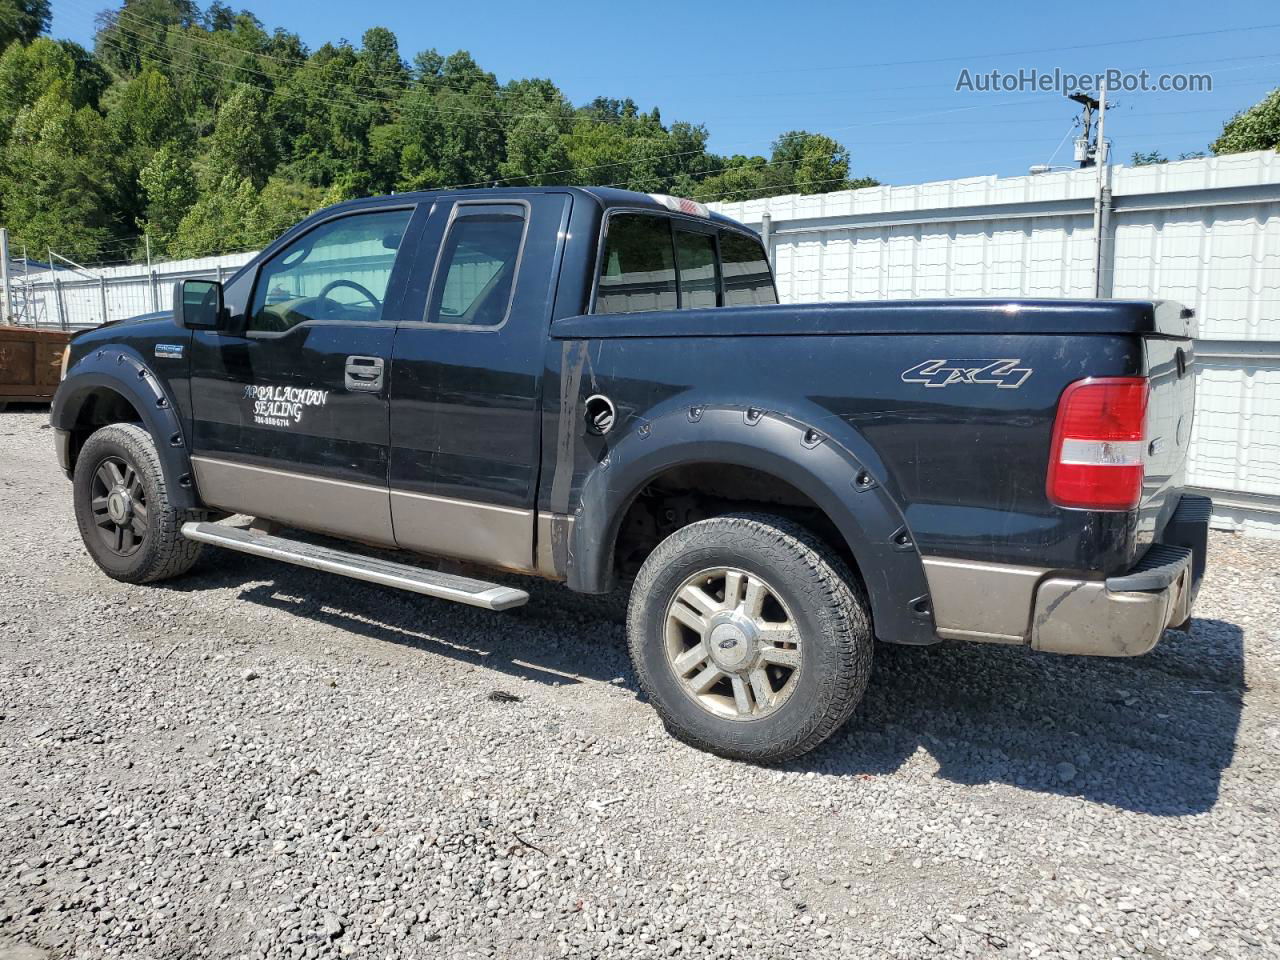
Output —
<point x="605" y="197"/>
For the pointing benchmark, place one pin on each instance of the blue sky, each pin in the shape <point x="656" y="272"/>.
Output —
<point x="750" y="71"/>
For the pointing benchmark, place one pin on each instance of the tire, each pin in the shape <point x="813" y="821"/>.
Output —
<point x="794" y="706"/>
<point x="146" y="544"/>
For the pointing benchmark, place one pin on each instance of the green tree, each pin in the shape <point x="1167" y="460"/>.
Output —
<point x="536" y="122"/>
<point x="219" y="221"/>
<point x="56" y="186"/>
<point x="23" y="20"/>
<point x="808" y="163"/>
<point x="28" y="72"/>
<point x="169" y="187"/>
<point x="1150" y="158"/>
<point x="800" y="162"/>
<point x="321" y="121"/>
<point x="134" y="34"/>
<point x="452" y="131"/>
<point x="242" y="145"/>
<point x="613" y="142"/>
<point x="1257" y="128"/>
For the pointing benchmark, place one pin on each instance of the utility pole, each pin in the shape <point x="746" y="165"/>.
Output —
<point x="1101" y="198"/>
<point x="151" y="279"/>
<point x="1086" y="152"/>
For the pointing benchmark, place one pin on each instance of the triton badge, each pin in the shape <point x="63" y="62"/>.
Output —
<point x="1005" y="374"/>
<point x="169" y="351"/>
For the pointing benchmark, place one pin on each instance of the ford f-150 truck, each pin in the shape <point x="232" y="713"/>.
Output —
<point x="599" y="387"/>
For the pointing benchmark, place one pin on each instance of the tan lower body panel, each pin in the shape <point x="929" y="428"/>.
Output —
<point x="353" y="510"/>
<point x="987" y="602"/>
<point x="464" y="529"/>
<point x="439" y="526"/>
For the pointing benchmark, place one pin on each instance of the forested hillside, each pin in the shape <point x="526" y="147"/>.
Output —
<point x="208" y="132"/>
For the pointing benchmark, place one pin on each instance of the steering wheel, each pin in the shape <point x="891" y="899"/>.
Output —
<point x="343" y="282"/>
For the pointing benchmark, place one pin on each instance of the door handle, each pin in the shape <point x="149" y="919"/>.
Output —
<point x="364" y="374"/>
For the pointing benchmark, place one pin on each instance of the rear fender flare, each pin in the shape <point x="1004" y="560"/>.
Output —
<point x="122" y="371"/>
<point x="819" y="465"/>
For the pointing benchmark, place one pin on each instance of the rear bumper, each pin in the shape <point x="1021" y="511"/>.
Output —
<point x="1121" y="616"/>
<point x="1125" y="615"/>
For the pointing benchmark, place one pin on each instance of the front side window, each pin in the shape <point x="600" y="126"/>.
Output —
<point x="339" y="271"/>
<point x="638" y="271"/>
<point x="747" y="279"/>
<point x="696" y="259"/>
<point x="478" y="266"/>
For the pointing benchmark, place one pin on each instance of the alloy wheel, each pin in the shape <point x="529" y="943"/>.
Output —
<point x="732" y="644"/>
<point x="119" y="506"/>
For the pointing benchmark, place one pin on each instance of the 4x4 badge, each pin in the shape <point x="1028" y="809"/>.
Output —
<point x="1005" y="374"/>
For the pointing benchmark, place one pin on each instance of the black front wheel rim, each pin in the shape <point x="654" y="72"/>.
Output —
<point x="119" y="505"/>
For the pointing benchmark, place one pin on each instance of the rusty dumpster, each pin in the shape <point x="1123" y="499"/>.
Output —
<point x="30" y="361"/>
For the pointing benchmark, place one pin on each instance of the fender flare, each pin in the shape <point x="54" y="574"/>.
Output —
<point x="847" y="485"/>
<point x="122" y="371"/>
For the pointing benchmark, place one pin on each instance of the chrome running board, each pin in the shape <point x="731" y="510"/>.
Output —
<point x="386" y="573"/>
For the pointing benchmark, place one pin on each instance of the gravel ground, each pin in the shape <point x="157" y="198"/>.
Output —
<point x="260" y="761"/>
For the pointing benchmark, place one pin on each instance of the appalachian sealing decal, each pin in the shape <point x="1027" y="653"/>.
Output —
<point x="282" y="406"/>
<point x="1004" y="374"/>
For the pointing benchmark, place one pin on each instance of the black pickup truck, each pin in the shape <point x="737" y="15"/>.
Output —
<point x="598" y="387"/>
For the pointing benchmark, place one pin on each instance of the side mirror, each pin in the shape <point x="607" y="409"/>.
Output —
<point x="197" y="305"/>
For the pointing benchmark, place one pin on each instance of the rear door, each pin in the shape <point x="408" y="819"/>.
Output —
<point x="290" y="411"/>
<point x="467" y="372"/>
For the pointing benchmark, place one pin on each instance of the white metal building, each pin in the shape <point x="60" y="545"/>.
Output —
<point x="1204" y="232"/>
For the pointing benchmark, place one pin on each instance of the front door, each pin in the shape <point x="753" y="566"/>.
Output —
<point x="290" y="409"/>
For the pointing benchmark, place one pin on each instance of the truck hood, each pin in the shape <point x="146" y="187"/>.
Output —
<point x="158" y="323"/>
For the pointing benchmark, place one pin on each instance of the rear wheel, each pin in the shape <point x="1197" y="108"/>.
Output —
<point x="751" y="637"/>
<point x="122" y="506"/>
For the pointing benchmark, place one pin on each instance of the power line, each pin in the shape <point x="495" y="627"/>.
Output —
<point x="445" y="82"/>
<point x="1011" y="53"/>
<point x="897" y="63"/>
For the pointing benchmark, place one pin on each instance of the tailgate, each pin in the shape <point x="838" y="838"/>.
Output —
<point x="1170" y="356"/>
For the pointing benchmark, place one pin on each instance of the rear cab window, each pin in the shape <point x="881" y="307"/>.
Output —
<point x="655" y="262"/>
<point x="748" y="281"/>
<point x="638" y="271"/>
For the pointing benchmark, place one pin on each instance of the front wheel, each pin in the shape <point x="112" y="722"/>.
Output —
<point x="750" y="636"/>
<point x="127" y="523"/>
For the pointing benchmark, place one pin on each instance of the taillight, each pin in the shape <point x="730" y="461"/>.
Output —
<point x="1096" y="461"/>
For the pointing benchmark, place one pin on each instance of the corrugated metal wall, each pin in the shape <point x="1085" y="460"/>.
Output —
<point x="1205" y="232"/>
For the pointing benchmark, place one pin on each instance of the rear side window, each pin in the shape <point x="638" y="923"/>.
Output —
<point x="747" y="280"/>
<point x="696" y="259"/>
<point x="476" y="277"/>
<point x="639" y="270"/>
